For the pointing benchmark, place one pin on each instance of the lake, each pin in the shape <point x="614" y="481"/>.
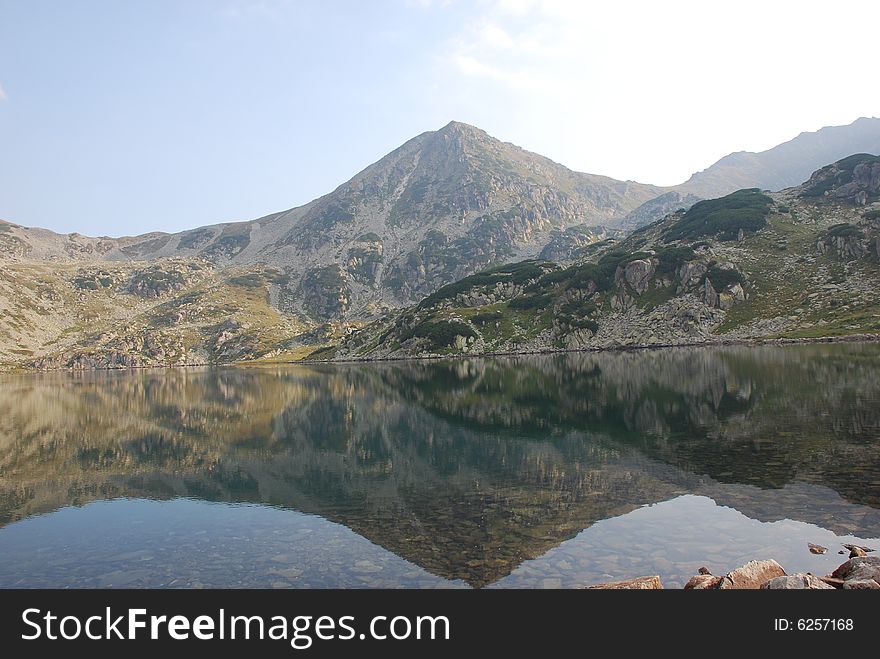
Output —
<point x="525" y="472"/>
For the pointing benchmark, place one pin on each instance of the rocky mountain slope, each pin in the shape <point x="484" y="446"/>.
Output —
<point x="799" y="263"/>
<point x="442" y="206"/>
<point x="786" y="165"/>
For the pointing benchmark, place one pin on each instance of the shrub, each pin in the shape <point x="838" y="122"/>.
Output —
<point x="723" y="218"/>
<point x="516" y="273"/>
<point x="440" y="333"/>
<point x="487" y="317"/>
<point x="844" y="230"/>
<point x="530" y="302"/>
<point x="872" y="214"/>
<point x="721" y="278"/>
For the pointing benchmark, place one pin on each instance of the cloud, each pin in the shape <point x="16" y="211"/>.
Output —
<point x="3" y="96"/>
<point x="654" y="91"/>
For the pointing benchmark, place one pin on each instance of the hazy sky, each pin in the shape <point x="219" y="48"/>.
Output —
<point x="120" y="117"/>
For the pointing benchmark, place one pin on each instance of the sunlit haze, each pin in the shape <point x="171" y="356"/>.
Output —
<point x="121" y="118"/>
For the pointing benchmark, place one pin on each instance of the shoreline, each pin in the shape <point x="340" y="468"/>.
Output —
<point x="754" y="342"/>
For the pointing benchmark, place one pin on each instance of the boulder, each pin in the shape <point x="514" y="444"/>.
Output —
<point x="752" y="575"/>
<point x="704" y="582"/>
<point x="796" y="582"/>
<point x="710" y="296"/>
<point x="861" y="584"/>
<point x="858" y="569"/>
<point x="640" y="583"/>
<point x="638" y="274"/>
<point x="691" y="274"/>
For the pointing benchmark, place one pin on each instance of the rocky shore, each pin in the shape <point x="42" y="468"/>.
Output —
<point x="860" y="572"/>
<point x="849" y="338"/>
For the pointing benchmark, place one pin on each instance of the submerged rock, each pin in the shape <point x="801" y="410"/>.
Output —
<point x="816" y="549"/>
<point x="639" y="583"/>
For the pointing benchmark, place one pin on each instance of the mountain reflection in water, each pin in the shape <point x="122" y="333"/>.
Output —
<point x="527" y="471"/>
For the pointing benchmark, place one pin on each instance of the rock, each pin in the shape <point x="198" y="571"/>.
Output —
<point x="638" y="274"/>
<point x="704" y="582"/>
<point x="752" y="575"/>
<point x="691" y="274"/>
<point x="710" y="296"/>
<point x="640" y="583"/>
<point x="861" y="584"/>
<point x="860" y="568"/>
<point x="704" y="570"/>
<point x="796" y="582"/>
<point x="867" y="550"/>
<point x="816" y="549"/>
<point x="856" y="552"/>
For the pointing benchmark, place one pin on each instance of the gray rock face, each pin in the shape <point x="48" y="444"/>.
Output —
<point x="846" y="247"/>
<point x="710" y="296"/>
<point x="733" y="295"/>
<point x="796" y="582"/>
<point x="865" y="568"/>
<point x="691" y="274"/>
<point x="637" y="274"/>
<point x="861" y="584"/>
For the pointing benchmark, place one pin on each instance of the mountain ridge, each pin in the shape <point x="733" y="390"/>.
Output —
<point x="443" y="206"/>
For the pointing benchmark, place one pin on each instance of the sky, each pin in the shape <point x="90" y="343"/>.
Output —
<point x="118" y="118"/>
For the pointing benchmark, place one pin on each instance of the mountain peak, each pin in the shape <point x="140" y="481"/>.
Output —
<point x="787" y="164"/>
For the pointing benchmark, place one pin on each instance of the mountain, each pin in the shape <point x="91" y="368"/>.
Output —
<point x="442" y="206"/>
<point x="786" y="165"/>
<point x="800" y="263"/>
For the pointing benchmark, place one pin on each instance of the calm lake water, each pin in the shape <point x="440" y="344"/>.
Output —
<point x="533" y="472"/>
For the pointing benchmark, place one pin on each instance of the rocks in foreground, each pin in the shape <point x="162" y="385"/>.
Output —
<point x="859" y="573"/>
<point x="640" y="583"/>
<point x="796" y="582"/>
<point x="748" y="577"/>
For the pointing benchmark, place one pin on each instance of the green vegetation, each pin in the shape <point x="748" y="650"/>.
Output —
<point x="843" y="230"/>
<point x="328" y="276"/>
<point x="195" y="239"/>
<point x="599" y="274"/>
<point x="514" y="273"/>
<point x="486" y="318"/>
<point x="369" y="237"/>
<point x="252" y="280"/>
<point x="576" y="314"/>
<point x="440" y="333"/>
<point x="93" y="282"/>
<point x="838" y="174"/>
<point x="155" y="281"/>
<point x="226" y="246"/>
<point x="524" y="302"/>
<point x="873" y="214"/>
<point x="724" y="218"/>
<point x="721" y="278"/>
<point x="670" y="259"/>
